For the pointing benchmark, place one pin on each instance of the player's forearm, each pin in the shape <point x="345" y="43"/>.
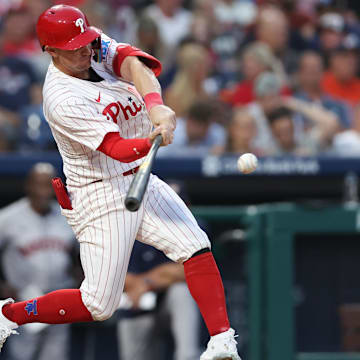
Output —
<point x="147" y="85"/>
<point x="124" y="150"/>
<point x="143" y="77"/>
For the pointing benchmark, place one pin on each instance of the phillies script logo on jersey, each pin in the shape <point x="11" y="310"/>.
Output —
<point x="112" y="111"/>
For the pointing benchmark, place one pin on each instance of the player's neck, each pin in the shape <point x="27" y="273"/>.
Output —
<point x="84" y="75"/>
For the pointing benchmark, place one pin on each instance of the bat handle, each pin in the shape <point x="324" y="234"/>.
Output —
<point x="138" y="186"/>
<point x="157" y="142"/>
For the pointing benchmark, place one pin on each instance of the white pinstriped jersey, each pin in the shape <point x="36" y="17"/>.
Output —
<point x="80" y="113"/>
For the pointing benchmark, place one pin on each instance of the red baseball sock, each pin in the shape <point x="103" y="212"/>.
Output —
<point x="58" y="307"/>
<point x="206" y="287"/>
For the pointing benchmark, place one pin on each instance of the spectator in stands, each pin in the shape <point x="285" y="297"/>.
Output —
<point x="22" y="42"/>
<point x="6" y="6"/>
<point x="312" y="137"/>
<point x="143" y="329"/>
<point x="18" y="83"/>
<point x="98" y="13"/>
<point x="18" y="87"/>
<point x="331" y="32"/>
<point x="303" y="25"/>
<point x="36" y="245"/>
<point x="197" y="134"/>
<point x="173" y="20"/>
<point x="256" y="58"/>
<point x="272" y="28"/>
<point x="309" y="76"/>
<point x="341" y="81"/>
<point x="18" y="34"/>
<point x="241" y="133"/>
<point x="174" y="24"/>
<point x="148" y="39"/>
<point x="34" y="133"/>
<point x="123" y="22"/>
<point x="347" y="143"/>
<point x="283" y="131"/>
<point x="230" y="13"/>
<point x="8" y="138"/>
<point x="322" y="123"/>
<point x="36" y="7"/>
<point x="230" y="23"/>
<point x="204" y="24"/>
<point x="190" y="79"/>
<point x="308" y="7"/>
<point x="267" y="90"/>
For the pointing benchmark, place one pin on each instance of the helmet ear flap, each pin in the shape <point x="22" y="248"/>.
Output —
<point x="96" y="47"/>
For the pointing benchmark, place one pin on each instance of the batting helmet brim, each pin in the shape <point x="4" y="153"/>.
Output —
<point x="81" y="40"/>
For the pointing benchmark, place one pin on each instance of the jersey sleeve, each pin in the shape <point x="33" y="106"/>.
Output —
<point x="81" y="123"/>
<point x="114" y="53"/>
<point x="124" y="50"/>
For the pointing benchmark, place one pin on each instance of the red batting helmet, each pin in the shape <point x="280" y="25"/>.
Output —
<point x="65" y="27"/>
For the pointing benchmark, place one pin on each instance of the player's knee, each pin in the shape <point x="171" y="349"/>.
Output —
<point x="201" y="245"/>
<point x="103" y="316"/>
<point x="204" y="244"/>
<point x="100" y="314"/>
<point x="99" y="310"/>
<point x="196" y="246"/>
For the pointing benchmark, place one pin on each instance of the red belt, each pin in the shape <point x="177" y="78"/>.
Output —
<point x="131" y="171"/>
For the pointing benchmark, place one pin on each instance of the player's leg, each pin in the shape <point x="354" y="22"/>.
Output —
<point x="58" y="307"/>
<point x="105" y="251"/>
<point x="169" y="226"/>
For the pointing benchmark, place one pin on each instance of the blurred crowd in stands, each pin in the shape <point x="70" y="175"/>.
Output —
<point x="276" y="77"/>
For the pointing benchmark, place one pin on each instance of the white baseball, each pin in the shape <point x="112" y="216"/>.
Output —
<point x="247" y="163"/>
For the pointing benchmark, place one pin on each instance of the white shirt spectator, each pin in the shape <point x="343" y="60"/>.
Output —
<point x="347" y="143"/>
<point x="39" y="245"/>
<point x="238" y="12"/>
<point x="172" y="29"/>
<point x="264" y="139"/>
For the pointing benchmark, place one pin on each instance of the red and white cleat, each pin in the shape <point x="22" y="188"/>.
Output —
<point x="7" y="327"/>
<point x="222" y="347"/>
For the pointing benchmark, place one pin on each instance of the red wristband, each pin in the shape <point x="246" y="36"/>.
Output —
<point x="152" y="99"/>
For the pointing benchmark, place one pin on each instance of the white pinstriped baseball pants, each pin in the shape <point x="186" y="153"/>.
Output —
<point x="107" y="231"/>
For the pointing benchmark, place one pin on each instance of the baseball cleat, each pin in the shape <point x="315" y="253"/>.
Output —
<point x="222" y="347"/>
<point x="6" y="326"/>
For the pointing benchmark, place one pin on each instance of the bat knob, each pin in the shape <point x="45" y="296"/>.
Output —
<point x="132" y="204"/>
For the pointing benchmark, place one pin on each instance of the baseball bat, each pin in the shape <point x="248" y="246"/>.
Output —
<point x="138" y="186"/>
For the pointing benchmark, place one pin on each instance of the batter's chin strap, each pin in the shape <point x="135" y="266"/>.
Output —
<point x="202" y="251"/>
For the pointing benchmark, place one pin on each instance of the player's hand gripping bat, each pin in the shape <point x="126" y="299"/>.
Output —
<point x="138" y="186"/>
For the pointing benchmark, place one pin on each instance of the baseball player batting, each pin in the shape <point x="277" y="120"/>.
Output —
<point x="103" y="104"/>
